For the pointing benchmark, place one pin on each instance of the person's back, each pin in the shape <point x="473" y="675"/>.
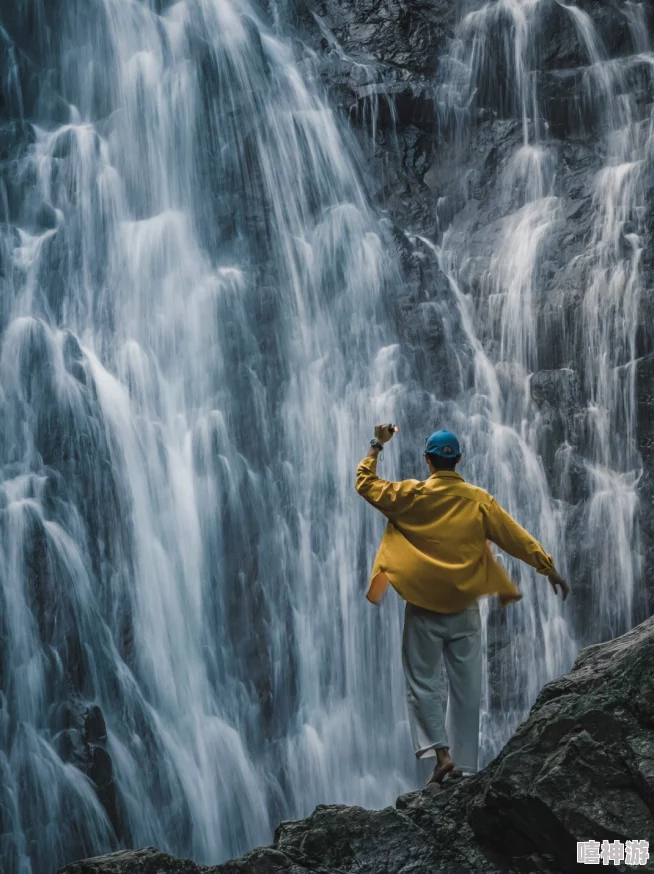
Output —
<point x="434" y="551"/>
<point x="435" y="554"/>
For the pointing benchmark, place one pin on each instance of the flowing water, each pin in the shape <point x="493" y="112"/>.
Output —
<point x="604" y="537"/>
<point x="196" y="339"/>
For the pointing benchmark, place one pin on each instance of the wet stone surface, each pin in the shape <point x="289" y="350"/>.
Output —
<point x="579" y="768"/>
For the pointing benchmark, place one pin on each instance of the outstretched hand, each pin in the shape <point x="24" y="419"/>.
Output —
<point x="556" y="582"/>
<point x="383" y="433"/>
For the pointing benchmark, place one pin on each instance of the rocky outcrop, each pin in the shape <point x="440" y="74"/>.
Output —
<point x="580" y="768"/>
<point x="83" y="742"/>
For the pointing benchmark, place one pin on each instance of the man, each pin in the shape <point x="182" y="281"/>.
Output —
<point x="435" y="554"/>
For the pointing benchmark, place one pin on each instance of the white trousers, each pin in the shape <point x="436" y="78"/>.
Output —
<point x="429" y="639"/>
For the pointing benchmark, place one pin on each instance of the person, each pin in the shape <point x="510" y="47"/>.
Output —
<point x="435" y="554"/>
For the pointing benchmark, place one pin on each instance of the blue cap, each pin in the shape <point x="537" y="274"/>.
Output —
<point x="442" y="443"/>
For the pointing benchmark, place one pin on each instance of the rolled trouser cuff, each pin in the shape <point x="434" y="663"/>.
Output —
<point x="426" y="752"/>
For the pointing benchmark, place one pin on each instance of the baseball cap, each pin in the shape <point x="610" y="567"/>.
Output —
<point x="442" y="443"/>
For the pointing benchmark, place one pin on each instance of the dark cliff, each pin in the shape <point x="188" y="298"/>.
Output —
<point x="580" y="768"/>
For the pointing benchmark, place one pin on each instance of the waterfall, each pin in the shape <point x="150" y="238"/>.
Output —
<point x="191" y="362"/>
<point x="198" y="333"/>
<point x="599" y="544"/>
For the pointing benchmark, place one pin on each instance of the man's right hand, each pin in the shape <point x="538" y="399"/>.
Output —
<point x="557" y="580"/>
<point x="383" y="433"/>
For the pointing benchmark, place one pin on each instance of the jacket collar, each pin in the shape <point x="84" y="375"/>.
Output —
<point x="446" y="473"/>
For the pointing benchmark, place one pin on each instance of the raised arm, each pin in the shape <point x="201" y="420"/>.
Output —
<point x="503" y="530"/>
<point x="389" y="497"/>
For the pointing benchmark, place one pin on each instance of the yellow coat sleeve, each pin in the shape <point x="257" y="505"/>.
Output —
<point x="503" y="530"/>
<point x="392" y="498"/>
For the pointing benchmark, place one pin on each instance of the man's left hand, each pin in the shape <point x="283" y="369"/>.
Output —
<point x="556" y="579"/>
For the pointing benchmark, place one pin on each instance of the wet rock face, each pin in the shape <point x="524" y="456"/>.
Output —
<point x="576" y="765"/>
<point x="409" y="36"/>
<point x="437" y="172"/>
<point x="82" y="741"/>
<point x="145" y="861"/>
<point x="579" y="768"/>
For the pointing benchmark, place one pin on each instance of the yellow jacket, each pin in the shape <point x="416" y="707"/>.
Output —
<point x="435" y="550"/>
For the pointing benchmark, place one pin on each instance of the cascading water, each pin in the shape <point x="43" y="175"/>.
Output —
<point x="196" y="339"/>
<point x="499" y="41"/>
<point x="188" y="368"/>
